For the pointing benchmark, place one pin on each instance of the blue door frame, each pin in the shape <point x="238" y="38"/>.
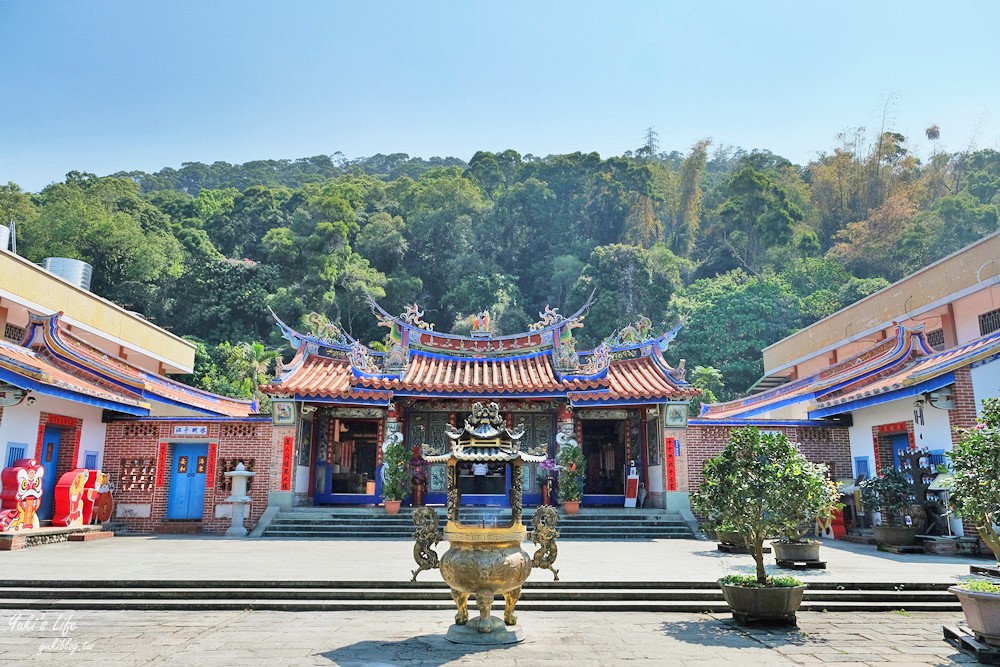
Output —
<point x="51" y="438"/>
<point x="189" y="463"/>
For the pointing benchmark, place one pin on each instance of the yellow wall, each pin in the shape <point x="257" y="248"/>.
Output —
<point x="40" y="291"/>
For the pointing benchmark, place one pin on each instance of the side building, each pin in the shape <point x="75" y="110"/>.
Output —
<point x="83" y="384"/>
<point x="897" y="372"/>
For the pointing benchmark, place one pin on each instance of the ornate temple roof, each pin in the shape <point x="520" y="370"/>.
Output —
<point x="902" y="365"/>
<point x="542" y="362"/>
<point x="72" y="360"/>
<point x="27" y="369"/>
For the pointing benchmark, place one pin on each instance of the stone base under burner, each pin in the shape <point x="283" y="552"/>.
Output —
<point x="501" y="634"/>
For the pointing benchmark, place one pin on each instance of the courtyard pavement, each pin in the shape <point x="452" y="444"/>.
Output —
<point x="203" y="557"/>
<point x="580" y="639"/>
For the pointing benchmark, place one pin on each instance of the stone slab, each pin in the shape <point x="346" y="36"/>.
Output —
<point x="94" y="535"/>
<point x="500" y="634"/>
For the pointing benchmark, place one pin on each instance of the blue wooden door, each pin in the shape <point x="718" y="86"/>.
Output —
<point x="900" y="445"/>
<point x="50" y="455"/>
<point x="187" y="481"/>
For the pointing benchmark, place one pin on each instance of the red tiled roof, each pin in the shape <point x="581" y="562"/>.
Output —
<point x="494" y="375"/>
<point x="333" y="378"/>
<point x="875" y="361"/>
<point x="319" y="377"/>
<point x="924" y="368"/>
<point x="66" y="350"/>
<point x="636" y="379"/>
<point x="28" y="364"/>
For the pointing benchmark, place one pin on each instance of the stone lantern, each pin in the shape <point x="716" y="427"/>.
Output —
<point x="239" y="499"/>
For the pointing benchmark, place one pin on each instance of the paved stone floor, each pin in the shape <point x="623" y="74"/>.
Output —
<point x="202" y="557"/>
<point x="581" y="639"/>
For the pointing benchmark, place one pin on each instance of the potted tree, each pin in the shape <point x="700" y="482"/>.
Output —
<point x="819" y="500"/>
<point x="976" y="495"/>
<point x="395" y="475"/>
<point x="891" y="495"/>
<point x="752" y="487"/>
<point x="572" y="471"/>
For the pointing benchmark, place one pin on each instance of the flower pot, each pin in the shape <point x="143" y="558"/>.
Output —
<point x="392" y="506"/>
<point x="897" y="536"/>
<point x="796" y="551"/>
<point x="982" y="612"/>
<point x="772" y="605"/>
<point x="571" y="506"/>
<point x="730" y="537"/>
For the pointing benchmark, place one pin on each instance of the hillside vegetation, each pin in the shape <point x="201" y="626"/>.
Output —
<point x="748" y="246"/>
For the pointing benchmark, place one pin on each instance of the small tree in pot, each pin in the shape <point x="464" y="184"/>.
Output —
<point x="976" y="494"/>
<point x="395" y="475"/>
<point x="819" y="499"/>
<point x="572" y="471"/>
<point x="890" y="494"/>
<point x="754" y="486"/>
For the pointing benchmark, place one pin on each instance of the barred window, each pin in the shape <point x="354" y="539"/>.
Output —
<point x="936" y="339"/>
<point x="989" y="322"/>
<point x="12" y="333"/>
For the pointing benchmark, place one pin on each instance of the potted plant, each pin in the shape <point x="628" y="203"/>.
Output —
<point x="395" y="475"/>
<point x="752" y="487"/>
<point x="975" y="489"/>
<point x="975" y="494"/>
<point x="572" y="471"/>
<point x="819" y="500"/>
<point x="891" y="495"/>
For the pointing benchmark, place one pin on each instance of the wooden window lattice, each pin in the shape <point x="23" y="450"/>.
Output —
<point x="137" y="474"/>
<point x="228" y="465"/>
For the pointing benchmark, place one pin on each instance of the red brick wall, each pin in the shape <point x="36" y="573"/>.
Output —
<point x="964" y="414"/>
<point x="827" y="444"/>
<point x="141" y="439"/>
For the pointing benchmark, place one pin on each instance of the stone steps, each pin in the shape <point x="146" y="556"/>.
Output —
<point x="434" y="595"/>
<point x="373" y="523"/>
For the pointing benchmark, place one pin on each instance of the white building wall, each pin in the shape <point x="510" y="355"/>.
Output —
<point x="986" y="383"/>
<point x="934" y="434"/>
<point x="19" y="426"/>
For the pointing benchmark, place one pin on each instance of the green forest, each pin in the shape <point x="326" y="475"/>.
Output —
<point x="745" y="245"/>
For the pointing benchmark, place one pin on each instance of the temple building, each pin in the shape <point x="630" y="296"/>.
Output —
<point x="338" y="401"/>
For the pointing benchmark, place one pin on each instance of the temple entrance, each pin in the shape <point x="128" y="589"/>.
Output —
<point x="347" y="454"/>
<point x="604" y="448"/>
<point x="483" y="483"/>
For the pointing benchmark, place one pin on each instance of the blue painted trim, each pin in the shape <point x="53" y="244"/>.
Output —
<point x="187" y="406"/>
<point x="600" y="403"/>
<point x="600" y="500"/>
<point x="761" y="422"/>
<point x="342" y="401"/>
<point x="66" y="394"/>
<point x="878" y="399"/>
<point x="346" y="499"/>
<point x="498" y="355"/>
<point x="477" y="394"/>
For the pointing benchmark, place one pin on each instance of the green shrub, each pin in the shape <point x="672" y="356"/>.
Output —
<point x="572" y="473"/>
<point x="762" y="485"/>
<point x="396" y="476"/>
<point x="889" y="493"/>
<point x="750" y="581"/>
<point x="976" y="463"/>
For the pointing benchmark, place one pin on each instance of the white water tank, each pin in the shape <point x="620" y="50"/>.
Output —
<point x="75" y="271"/>
<point x="4" y="237"/>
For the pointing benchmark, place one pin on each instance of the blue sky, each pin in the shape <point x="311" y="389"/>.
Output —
<point x="108" y="86"/>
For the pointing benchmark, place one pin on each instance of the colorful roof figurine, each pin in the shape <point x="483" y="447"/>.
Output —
<point x="486" y="438"/>
<point x="902" y="365"/>
<point x="543" y="362"/>
<point x="66" y="356"/>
